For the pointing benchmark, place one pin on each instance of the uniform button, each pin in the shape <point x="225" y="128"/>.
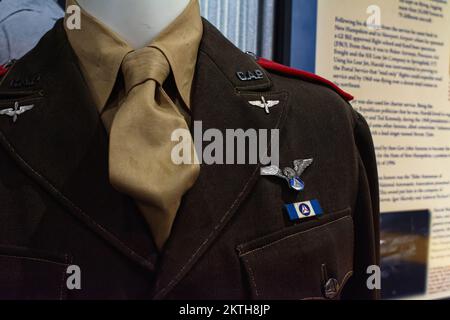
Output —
<point x="332" y="289"/>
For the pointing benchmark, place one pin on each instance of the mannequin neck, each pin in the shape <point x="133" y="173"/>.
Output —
<point x="139" y="21"/>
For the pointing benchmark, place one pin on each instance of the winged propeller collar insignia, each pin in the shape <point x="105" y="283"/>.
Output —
<point x="265" y="104"/>
<point x="16" y="111"/>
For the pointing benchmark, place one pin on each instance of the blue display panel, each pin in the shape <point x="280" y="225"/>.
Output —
<point x="304" y="35"/>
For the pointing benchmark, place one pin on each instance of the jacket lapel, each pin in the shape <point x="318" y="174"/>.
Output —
<point x="62" y="145"/>
<point x="220" y="101"/>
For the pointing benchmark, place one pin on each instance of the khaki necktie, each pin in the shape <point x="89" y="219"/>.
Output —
<point x="141" y="146"/>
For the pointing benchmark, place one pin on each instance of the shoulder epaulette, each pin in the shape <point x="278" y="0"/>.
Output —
<point x="3" y="71"/>
<point x="308" y="76"/>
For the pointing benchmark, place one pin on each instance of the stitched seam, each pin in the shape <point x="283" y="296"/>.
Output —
<point x="252" y="277"/>
<point x="26" y="252"/>
<point x="293" y="235"/>
<point x="61" y="285"/>
<point x="73" y="207"/>
<point x="32" y="259"/>
<point x="64" y="272"/>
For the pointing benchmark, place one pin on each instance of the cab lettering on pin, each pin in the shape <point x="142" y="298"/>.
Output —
<point x="304" y="210"/>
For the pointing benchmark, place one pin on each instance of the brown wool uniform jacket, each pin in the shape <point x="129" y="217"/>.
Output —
<point x="232" y="239"/>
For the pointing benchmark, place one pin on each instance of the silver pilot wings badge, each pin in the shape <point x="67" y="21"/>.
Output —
<point x="291" y="175"/>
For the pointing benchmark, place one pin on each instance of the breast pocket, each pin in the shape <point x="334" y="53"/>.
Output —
<point x="309" y="261"/>
<point x="27" y="275"/>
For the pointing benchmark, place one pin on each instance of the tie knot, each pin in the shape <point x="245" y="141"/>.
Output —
<point x="144" y="64"/>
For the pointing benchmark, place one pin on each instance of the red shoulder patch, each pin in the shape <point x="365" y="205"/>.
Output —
<point x="3" y="71"/>
<point x="273" y="66"/>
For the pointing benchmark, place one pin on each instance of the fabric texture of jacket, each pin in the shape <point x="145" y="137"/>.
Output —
<point x="232" y="238"/>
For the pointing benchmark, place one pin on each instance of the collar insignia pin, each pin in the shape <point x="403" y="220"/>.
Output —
<point x="264" y="104"/>
<point x="291" y="175"/>
<point x="16" y="111"/>
<point x="250" y="75"/>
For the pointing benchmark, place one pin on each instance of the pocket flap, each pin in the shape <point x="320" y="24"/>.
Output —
<point x="310" y="264"/>
<point x="25" y="275"/>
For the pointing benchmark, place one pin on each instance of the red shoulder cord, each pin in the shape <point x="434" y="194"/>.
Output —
<point x="3" y="71"/>
<point x="273" y="66"/>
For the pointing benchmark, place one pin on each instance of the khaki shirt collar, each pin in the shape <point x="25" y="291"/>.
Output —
<point x="100" y="51"/>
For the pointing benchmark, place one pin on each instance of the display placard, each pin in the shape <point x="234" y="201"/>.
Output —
<point x="393" y="56"/>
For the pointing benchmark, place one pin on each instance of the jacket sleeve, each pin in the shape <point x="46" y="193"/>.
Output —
<point x="366" y="215"/>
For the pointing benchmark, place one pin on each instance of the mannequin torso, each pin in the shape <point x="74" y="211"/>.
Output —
<point x="139" y="21"/>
